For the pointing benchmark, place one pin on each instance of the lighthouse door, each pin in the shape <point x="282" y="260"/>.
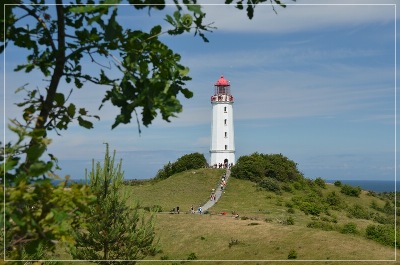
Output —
<point x="226" y="162"/>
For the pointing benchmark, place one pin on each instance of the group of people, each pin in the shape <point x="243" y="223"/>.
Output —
<point x="213" y="196"/>
<point x="199" y="210"/>
<point x="223" y="165"/>
<point x="223" y="183"/>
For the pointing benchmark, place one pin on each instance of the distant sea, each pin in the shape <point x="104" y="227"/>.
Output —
<point x="372" y="185"/>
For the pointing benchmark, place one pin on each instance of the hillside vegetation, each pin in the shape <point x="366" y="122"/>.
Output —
<point x="273" y="225"/>
<point x="267" y="229"/>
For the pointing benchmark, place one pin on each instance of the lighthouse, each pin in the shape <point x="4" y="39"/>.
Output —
<point x="222" y="149"/>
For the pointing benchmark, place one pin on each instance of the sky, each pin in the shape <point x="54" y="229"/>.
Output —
<point x="315" y="82"/>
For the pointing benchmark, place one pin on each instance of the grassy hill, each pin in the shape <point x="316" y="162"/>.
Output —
<point x="266" y="229"/>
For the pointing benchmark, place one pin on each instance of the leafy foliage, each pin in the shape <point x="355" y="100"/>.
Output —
<point x="186" y="162"/>
<point x="122" y="233"/>
<point x="270" y="184"/>
<point x="257" y="166"/>
<point x="151" y="76"/>
<point x="38" y="215"/>
<point x="320" y="182"/>
<point x="349" y="228"/>
<point x="350" y="190"/>
<point x="384" y="234"/>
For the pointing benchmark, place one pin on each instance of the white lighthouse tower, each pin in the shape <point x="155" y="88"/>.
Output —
<point x="222" y="136"/>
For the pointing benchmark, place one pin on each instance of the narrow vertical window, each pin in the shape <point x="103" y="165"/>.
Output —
<point x="225" y="109"/>
<point x="225" y="122"/>
<point x="226" y="147"/>
<point x="226" y="134"/>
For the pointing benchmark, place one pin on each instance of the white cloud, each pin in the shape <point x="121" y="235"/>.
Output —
<point x="297" y="16"/>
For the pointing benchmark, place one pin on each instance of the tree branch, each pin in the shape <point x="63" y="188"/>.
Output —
<point x="40" y="20"/>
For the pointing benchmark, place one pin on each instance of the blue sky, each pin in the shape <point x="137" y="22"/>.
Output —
<point x="314" y="82"/>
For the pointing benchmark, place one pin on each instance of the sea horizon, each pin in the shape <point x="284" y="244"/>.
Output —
<point x="370" y="185"/>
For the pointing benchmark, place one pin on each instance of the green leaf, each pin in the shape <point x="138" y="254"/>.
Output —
<point x="85" y="123"/>
<point x="187" y="93"/>
<point x="82" y="111"/>
<point x="170" y="20"/>
<point x="113" y="28"/>
<point x="39" y="168"/>
<point x="155" y="30"/>
<point x="59" y="98"/>
<point x="194" y="8"/>
<point x="71" y="110"/>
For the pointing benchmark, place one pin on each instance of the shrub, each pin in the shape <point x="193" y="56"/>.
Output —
<point x="186" y="162"/>
<point x="292" y="254"/>
<point x="290" y="221"/>
<point x="310" y="208"/>
<point x="321" y="225"/>
<point x="257" y="166"/>
<point x="270" y="184"/>
<point x="290" y="210"/>
<point x="349" y="228"/>
<point x="333" y="199"/>
<point x="192" y="256"/>
<point x="350" y="191"/>
<point x="337" y="183"/>
<point x="320" y="182"/>
<point x="384" y="234"/>
<point x="357" y="211"/>
<point x="298" y="185"/>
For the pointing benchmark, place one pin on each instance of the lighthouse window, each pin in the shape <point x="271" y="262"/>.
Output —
<point x="224" y="109"/>
<point x="226" y="134"/>
<point x="225" y="122"/>
<point x="226" y="147"/>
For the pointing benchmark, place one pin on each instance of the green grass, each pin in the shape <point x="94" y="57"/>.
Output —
<point x="221" y="237"/>
<point x="185" y="189"/>
<point x="210" y="236"/>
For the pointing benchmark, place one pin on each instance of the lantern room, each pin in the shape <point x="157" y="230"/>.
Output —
<point x="222" y="87"/>
<point x="222" y="91"/>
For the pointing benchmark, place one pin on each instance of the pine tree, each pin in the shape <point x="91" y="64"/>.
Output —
<point x="114" y="231"/>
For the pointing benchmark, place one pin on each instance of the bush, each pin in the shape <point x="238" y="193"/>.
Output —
<point x="333" y="199"/>
<point x="292" y="254"/>
<point x="257" y="166"/>
<point x="310" y="208"/>
<point x="290" y="221"/>
<point x="192" y="256"/>
<point x="320" y="182"/>
<point x="270" y="184"/>
<point x="349" y="228"/>
<point x="350" y="191"/>
<point x="357" y="211"/>
<point x="384" y="234"/>
<point x="321" y="225"/>
<point x="186" y="162"/>
<point x="337" y="183"/>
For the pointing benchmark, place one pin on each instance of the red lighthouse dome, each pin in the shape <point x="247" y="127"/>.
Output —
<point x="222" y="81"/>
